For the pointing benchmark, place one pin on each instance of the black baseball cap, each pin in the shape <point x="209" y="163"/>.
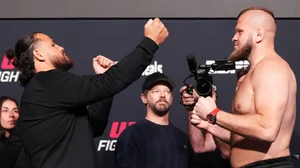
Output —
<point x="155" y="79"/>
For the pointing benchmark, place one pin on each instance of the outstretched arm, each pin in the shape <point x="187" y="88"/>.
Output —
<point x="77" y="91"/>
<point x="200" y="140"/>
<point x="270" y="102"/>
<point x="220" y="136"/>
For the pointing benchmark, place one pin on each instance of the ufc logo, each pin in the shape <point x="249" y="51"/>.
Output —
<point x="6" y="63"/>
<point x="118" y="127"/>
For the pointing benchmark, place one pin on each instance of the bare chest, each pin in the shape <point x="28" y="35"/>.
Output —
<point x="243" y="101"/>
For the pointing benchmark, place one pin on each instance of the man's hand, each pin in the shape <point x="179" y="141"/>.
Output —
<point x="204" y="106"/>
<point x="198" y="122"/>
<point x="156" y="30"/>
<point x="195" y="95"/>
<point x="187" y="99"/>
<point x="101" y="64"/>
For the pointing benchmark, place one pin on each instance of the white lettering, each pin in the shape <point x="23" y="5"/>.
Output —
<point x="107" y="145"/>
<point x="222" y="72"/>
<point x="102" y="143"/>
<point x="14" y="75"/>
<point x="9" y="76"/>
<point x="152" y="68"/>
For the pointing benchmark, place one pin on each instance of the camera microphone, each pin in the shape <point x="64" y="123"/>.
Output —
<point x="192" y="63"/>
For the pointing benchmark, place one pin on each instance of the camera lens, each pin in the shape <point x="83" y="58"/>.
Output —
<point x="203" y="87"/>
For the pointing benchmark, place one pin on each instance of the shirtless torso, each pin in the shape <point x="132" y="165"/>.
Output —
<point x="261" y="123"/>
<point x="247" y="150"/>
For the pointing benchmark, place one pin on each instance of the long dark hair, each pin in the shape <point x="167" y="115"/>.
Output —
<point x="2" y="100"/>
<point x="23" y="57"/>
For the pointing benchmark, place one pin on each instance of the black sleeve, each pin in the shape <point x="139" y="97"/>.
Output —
<point x="98" y="114"/>
<point x="126" y="154"/>
<point x="10" y="151"/>
<point x="69" y="90"/>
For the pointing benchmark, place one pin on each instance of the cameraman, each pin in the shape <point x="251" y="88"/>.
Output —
<point x="204" y="136"/>
<point x="201" y="139"/>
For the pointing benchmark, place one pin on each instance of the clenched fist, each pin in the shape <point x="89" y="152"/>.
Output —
<point x="204" y="106"/>
<point x="101" y="64"/>
<point x="156" y="30"/>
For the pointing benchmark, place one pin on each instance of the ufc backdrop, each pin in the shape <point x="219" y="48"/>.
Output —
<point x="208" y="39"/>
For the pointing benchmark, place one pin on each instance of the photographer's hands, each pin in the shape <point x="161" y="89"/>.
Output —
<point x="187" y="98"/>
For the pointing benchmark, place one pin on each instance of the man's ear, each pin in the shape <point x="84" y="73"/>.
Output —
<point x="144" y="99"/>
<point x="37" y="55"/>
<point x="259" y="35"/>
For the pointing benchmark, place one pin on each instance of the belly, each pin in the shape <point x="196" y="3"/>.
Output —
<point x="245" y="151"/>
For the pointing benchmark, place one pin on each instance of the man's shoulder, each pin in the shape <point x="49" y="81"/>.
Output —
<point x="272" y="64"/>
<point x="273" y="71"/>
<point x="131" y="130"/>
<point x="43" y="81"/>
<point x="276" y="66"/>
<point x="52" y="77"/>
<point x="54" y="73"/>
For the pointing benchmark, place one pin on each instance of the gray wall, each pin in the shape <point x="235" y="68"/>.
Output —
<point x="140" y="8"/>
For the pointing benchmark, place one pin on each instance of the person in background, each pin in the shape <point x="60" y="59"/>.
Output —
<point x="204" y="143"/>
<point x="9" y="115"/>
<point x="154" y="141"/>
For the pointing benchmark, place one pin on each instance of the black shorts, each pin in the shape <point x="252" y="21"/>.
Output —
<point x="282" y="162"/>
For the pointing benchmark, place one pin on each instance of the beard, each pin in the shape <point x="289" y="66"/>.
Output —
<point x="243" y="53"/>
<point x="65" y="63"/>
<point x="160" y="110"/>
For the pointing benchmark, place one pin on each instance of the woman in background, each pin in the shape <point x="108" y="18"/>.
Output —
<point x="10" y="156"/>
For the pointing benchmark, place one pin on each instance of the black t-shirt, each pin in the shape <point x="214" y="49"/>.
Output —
<point x="148" y="145"/>
<point x="54" y="124"/>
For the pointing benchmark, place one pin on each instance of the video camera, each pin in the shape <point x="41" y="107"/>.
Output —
<point x="203" y="73"/>
<point x="204" y="80"/>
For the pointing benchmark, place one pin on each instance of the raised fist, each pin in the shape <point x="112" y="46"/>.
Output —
<point x="156" y="30"/>
<point x="101" y="64"/>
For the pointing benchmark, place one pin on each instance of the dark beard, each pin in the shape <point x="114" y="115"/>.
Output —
<point x="161" y="111"/>
<point x="65" y="64"/>
<point x="241" y="54"/>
